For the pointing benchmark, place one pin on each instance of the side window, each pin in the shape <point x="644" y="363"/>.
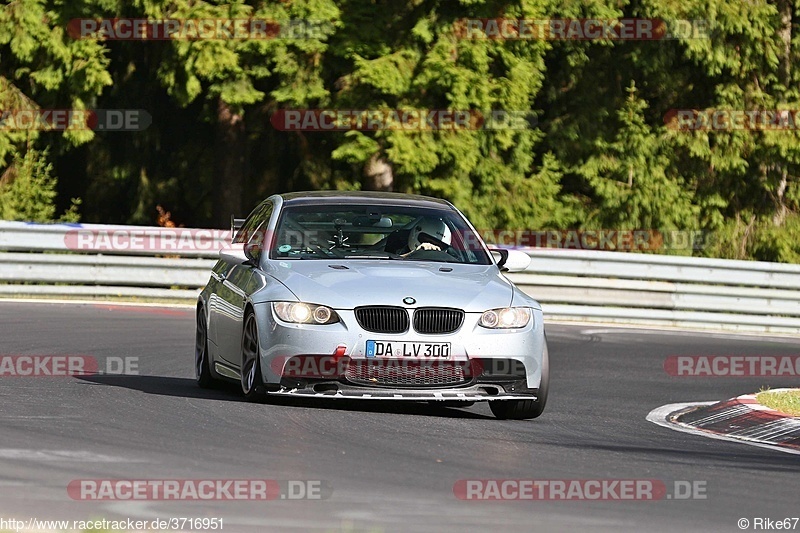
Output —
<point x="256" y="239"/>
<point x="259" y="216"/>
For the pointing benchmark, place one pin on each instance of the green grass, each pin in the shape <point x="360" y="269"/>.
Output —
<point x="787" y="402"/>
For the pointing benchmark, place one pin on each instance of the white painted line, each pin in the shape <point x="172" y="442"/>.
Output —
<point x="660" y="416"/>
<point x="80" y="456"/>
<point x="139" y="509"/>
<point x="683" y="332"/>
<point x="95" y="302"/>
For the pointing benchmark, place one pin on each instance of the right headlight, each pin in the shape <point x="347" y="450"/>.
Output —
<point x="506" y="318"/>
<point x="303" y="313"/>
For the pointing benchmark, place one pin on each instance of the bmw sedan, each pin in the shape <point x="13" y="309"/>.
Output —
<point x="371" y="296"/>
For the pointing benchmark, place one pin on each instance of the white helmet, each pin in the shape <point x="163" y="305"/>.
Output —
<point x="431" y="230"/>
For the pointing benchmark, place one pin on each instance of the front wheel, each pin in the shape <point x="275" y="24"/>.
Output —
<point x="252" y="382"/>
<point x="523" y="409"/>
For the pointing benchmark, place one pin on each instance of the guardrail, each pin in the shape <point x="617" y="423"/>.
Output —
<point x="94" y="261"/>
<point x="102" y="261"/>
<point x="663" y="290"/>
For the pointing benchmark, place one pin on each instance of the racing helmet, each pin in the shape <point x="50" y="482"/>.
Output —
<point x="432" y="230"/>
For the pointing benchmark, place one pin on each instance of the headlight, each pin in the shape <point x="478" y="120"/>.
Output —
<point x="303" y="313"/>
<point x="506" y="318"/>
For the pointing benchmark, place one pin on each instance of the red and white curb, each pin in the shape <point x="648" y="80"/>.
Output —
<point x="741" y="419"/>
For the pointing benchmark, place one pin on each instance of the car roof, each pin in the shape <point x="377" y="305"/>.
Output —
<point x="359" y="197"/>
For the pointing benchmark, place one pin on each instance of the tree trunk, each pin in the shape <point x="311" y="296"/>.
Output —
<point x="780" y="213"/>
<point x="230" y="166"/>
<point x="785" y="10"/>
<point x="785" y="32"/>
<point x="378" y="174"/>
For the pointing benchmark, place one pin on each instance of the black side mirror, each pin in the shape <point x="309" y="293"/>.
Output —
<point x="253" y="252"/>
<point x="500" y="257"/>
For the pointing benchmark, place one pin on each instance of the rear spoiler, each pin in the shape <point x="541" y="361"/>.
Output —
<point x="236" y="225"/>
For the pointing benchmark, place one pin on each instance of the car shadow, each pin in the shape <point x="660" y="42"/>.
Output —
<point x="167" y="386"/>
<point x="230" y="392"/>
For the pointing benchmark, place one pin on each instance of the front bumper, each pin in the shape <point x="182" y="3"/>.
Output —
<point x="282" y="343"/>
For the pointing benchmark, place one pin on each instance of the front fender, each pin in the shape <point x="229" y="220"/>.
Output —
<point x="272" y="291"/>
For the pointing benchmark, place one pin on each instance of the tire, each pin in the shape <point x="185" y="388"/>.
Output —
<point x="201" y="363"/>
<point x="525" y="409"/>
<point x="251" y="380"/>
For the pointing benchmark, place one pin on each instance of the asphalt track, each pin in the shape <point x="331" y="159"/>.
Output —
<point x="392" y="467"/>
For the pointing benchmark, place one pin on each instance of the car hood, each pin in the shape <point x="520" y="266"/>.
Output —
<point x="352" y="283"/>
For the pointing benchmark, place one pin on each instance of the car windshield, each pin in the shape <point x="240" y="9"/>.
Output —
<point x="372" y="232"/>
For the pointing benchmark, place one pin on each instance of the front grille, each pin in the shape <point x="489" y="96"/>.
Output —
<point x="433" y="320"/>
<point x="401" y="373"/>
<point x="382" y="319"/>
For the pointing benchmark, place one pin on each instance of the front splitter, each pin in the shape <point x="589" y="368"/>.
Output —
<point x="406" y="395"/>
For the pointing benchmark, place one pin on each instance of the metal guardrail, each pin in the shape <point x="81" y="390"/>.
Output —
<point x="660" y="290"/>
<point x="613" y="287"/>
<point x="101" y="261"/>
<point x="116" y="240"/>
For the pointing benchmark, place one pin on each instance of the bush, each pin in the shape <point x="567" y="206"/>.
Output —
<point x="28" y="190"/>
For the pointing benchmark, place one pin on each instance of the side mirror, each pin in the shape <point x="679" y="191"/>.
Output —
<point x="237" y="254"/>
<point x="252" y="251"/>
<point x="511" y="260"/>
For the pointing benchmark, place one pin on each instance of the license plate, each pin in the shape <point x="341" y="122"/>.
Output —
<point x="419" y="350"/>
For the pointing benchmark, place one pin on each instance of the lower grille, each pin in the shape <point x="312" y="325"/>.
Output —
<point x="400" y="373"/>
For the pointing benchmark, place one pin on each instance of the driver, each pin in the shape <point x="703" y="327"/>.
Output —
<point x="427" y="234"/>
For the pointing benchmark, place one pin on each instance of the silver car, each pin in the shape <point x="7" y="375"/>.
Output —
<point x="373" y="296"/>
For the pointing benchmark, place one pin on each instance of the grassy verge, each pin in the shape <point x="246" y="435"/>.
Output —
<point x="784" y="401"/>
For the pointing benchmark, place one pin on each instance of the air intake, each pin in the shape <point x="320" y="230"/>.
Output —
<point x="382" y="319"/>
<point x="437" y="320"/>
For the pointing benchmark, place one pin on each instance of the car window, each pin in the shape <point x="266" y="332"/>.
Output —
<point x="258" y="218"/>
<point x="257" y="237"/>
<point x="413" y="233"/>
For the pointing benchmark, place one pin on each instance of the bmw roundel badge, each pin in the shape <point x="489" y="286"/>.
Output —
<point x="409" y="300"/>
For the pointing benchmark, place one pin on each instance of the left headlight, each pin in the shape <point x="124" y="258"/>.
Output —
<point x="303" y="313"/>
<point x="506" y="318"/>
